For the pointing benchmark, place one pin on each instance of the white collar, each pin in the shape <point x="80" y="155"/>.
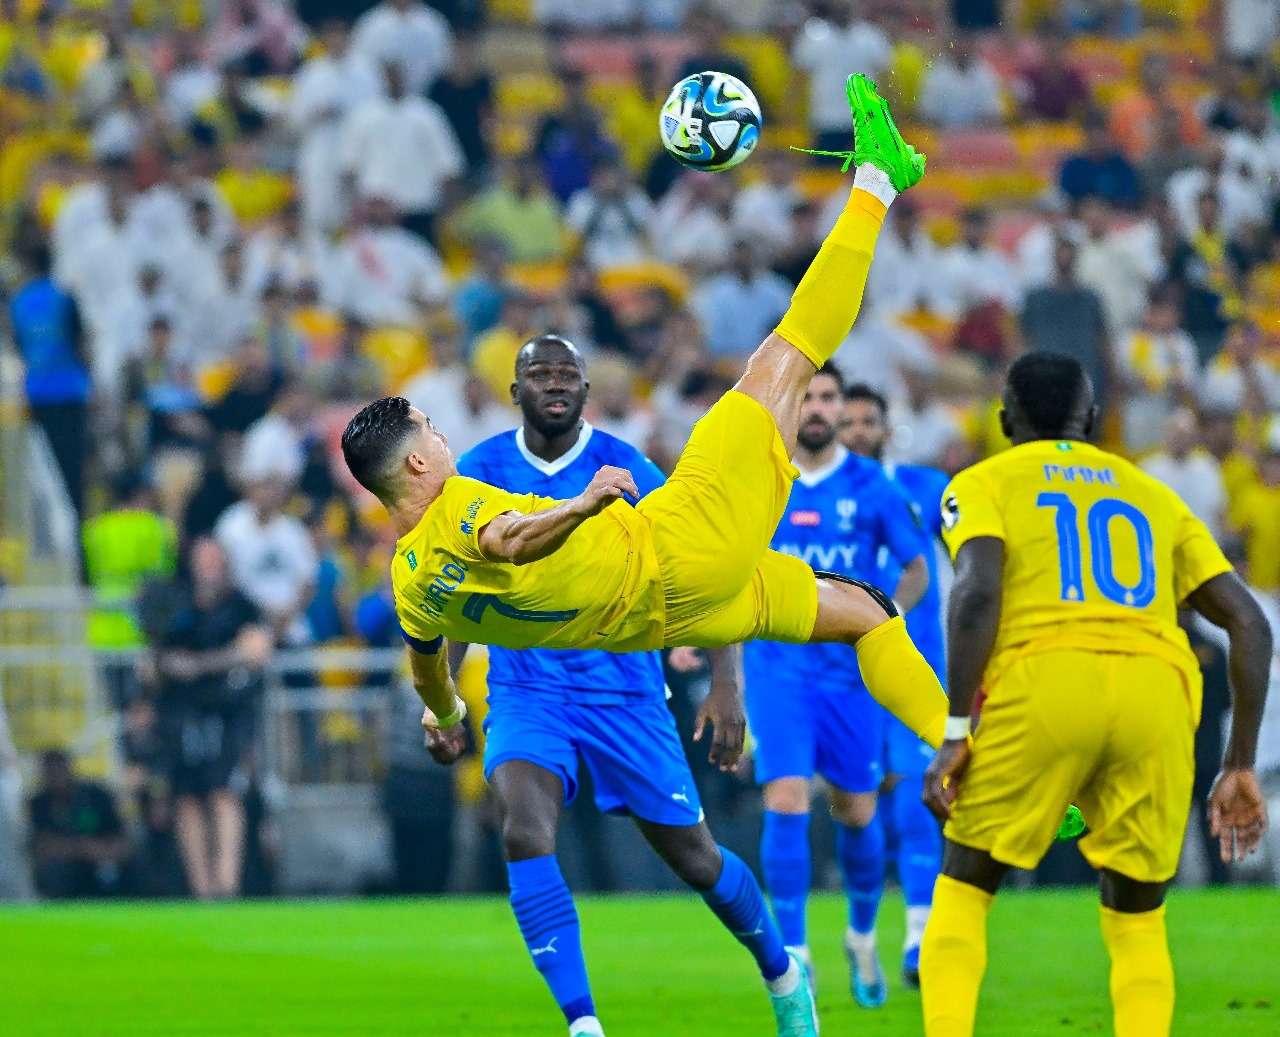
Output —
<point x="812" y="479"/>
<point x="564" y="460"/>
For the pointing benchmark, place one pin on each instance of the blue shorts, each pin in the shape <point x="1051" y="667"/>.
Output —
<point x="804" y="726"/>
<point x="632" y="751"/>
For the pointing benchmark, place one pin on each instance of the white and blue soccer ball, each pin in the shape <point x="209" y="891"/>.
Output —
<point x="710" y="121"/>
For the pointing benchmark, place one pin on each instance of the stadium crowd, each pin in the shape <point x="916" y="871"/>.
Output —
<point x="225" y="225"/>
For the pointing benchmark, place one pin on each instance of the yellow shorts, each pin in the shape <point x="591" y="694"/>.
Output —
<point x="712" y="523"/>
<point x="1111" y="733"/>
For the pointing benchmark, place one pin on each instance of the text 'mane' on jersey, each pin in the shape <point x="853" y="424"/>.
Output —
<point x="1098" y="554"/>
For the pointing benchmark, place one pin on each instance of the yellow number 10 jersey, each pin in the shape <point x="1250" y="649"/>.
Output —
<point x="1098" y="554"/>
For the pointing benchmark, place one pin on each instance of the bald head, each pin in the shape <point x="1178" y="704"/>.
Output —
<point x="1047" y="396"/>
<point x="551" y="385"/>
<point x="548" y="349"/>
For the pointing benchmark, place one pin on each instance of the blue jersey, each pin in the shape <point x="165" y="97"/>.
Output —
<point x="590" y="677"/>
<point x="839" y="520"/>
<point x="923" y="488"/>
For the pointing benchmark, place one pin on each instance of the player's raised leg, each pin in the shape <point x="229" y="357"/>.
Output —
<point x="826" y="301"/>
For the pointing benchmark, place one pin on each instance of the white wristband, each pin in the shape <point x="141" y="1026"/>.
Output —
<point x="455" y="718"/>
<point x="957" y="728"/>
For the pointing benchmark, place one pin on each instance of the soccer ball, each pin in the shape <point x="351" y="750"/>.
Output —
<point x="710" y="121"/>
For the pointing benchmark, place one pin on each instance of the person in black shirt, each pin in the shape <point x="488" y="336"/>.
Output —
<point x="706" y="29"/>
<point x="79" y="844"/>
<point x="465" y="93"/>
<point x="253" y="392"/>
<point x="209" y="647"/>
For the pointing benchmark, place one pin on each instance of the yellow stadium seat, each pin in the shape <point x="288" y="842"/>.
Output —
<point x="399" y="352"/>
<point x="526" y="94"/>
<point x="538" y="278"/>
<point x="770" y="76"/>
<point x="518" y="12"/>
<point x="627" y="279"/>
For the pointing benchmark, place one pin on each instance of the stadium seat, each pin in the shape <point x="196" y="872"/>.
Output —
<point x="977" y="149"/>
<point x="625" y="280"/>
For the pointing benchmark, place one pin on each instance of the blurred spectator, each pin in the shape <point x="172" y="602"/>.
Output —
<point x="739" y="307"/>
<point x="79" y="845"/>
<point x="1100" y="169"/>
<point x="1223" y="109"/>
<point x="1051" y="88"/>
<point x="276" y="444"/>
<point x="124" y="546"/>
<point x="1239" y="201"/>
<point x="1259" y="516"/>
<point x="767" y="207"/>
<point x="977" y="272"/>
<point x="283" y="253"/>
<point x="270" y="556"/>
<point x="325" y="90"/>
<point x="614" y="406"/>
<point x="1133" y="114"/>
<point x="208" y="651"/>
<point x="1200" y="266"/>
<point x="494" y="357"/>
<point x="705" y="30"/>
<point x="1250" y="28"/>
<point x="251" y="394"/>
<point x="1035" y="251"/>
<point x="382" y="274"/>
<point x="192" y="83"/>
<point x="827" y="48"/>
<point x="1253" y="148"/>
<point x="465" y="95"/>
<point x="572" y="141"/>
<point x="1168" y="154"/>
<point x="1159" y="369"/>
<point x="961" y="89"/>
<point x="599" y="325"/>
<point x="1245" y="375"/>
<point x="460" y="404"/>
<point x="478" y="299"/>
<point x="518" y="210"/>
<point x="264" y="35"/>
<point x="1191" y="471"/>
<point x="1110" y="264"/>
<point x="408" y="33"/>
<point x="904" y="274"/>
<point x="611" y="218"/>
<point x="401" y="148"/>
<point x="168" y="391"/>
<point x="1063" y="316"/>
<point x="46" y="327"/>
<point x="226" y="306"/>
<point x="691" y="224"/>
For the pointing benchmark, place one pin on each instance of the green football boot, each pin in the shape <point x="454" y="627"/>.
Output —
<point x="1072" y="825"/>
<point x="876" y="138"/>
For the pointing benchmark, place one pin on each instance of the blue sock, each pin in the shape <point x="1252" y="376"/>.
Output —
<point x="861" y="853"/>
<point x="787" y="862"/>
<point x="738" y="902"/>
<point x="548" y="922"/>
<point x="919" y="842"/>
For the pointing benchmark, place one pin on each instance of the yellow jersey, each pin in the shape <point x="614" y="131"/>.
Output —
<point x="1098" y="554"/>
<point x="601" y="589"/>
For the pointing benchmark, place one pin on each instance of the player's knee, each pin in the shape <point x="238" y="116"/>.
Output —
<point x="848" y="609"/>
<point x="787" y="796"/>
<point x="854" y="810"/>
<point x="524" y="838"/>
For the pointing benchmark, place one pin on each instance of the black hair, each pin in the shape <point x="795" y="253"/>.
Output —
<point x="862" y="391"/>
<point x="372" y="436"/>
<point x="831" y="371"/>
<point x="1047" y="387"/>
<point x="522" y="357"/>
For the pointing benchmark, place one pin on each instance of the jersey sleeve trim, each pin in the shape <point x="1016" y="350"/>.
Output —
<point x="431" y="647"/>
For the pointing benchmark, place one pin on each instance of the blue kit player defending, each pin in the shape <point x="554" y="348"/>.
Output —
<point x="809" y="711"/>
<point x="865" y="430"/>
<point x="551" y="708"/>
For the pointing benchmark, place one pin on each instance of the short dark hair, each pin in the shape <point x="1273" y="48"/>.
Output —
<point x="372" y="436"/>
<point x="831" y="371"/>
<point x="862" y="391"/>
<point x="1047" y="387"/>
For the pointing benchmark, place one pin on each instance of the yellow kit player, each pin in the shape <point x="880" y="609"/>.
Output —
<point x="1071" y="564"/>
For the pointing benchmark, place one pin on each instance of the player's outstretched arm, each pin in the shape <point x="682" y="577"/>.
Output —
<point x="723" y="709"/>
<point x="973" y="619"/>
<point x="520" y="539"/>
<point x="1237" y="810"/>
<point x="446" y="734"/>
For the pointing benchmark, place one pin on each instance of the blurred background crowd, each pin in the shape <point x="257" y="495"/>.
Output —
<point x="224" y="225"/>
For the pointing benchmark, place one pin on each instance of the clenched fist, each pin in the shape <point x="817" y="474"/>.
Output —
<point x="607" y="485"/>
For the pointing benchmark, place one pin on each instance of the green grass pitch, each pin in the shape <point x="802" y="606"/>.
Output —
<point x="660" y="966"/>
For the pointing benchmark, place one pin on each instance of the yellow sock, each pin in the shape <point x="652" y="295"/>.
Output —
<point x="826" y="301"/>
<point x="953" y="957"/>
<point x="899" y="679"/>
<point x="1141" y="972"/>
